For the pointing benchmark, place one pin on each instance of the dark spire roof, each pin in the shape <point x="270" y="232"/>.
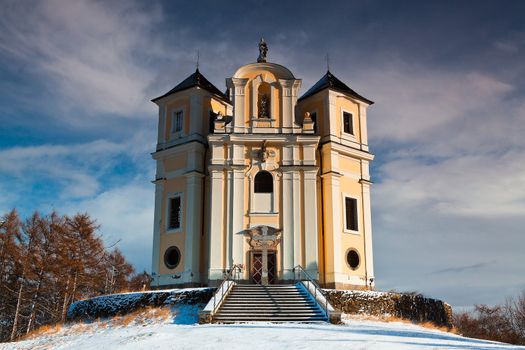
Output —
<point x="196" y="79"/>
<point x="330" y="81"/>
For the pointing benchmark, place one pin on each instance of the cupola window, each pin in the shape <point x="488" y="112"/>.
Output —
<point x="263" y="101"/>
<point x="348" y="125"/>
<point x="177" y="121"/>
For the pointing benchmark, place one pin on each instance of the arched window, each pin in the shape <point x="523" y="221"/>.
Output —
<point x="263" y="182"/>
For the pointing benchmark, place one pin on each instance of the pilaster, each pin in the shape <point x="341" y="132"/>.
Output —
<point x="330" y="114"/>
<point x="367" y="230"/>
<point x="296" y="195"/>
<point x="215" y="248"/>
<point x="332" y="225"/>
<point x="238" y="211"/>
<point x="310" y="223"/>
<point x="161" y="137"/>
<point x="363" y="129"/>
<point x="159" y="191"/>
<point x="196" y="114"/>
<point x="287" y="105"/>
<point x="239" y="85"/>
<point x="194" y="220"/>
<point x="288" y="226"/>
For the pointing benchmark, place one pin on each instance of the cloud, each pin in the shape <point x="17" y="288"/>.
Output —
<point x="491" y="185"/>
<point x="87" y="177"/>
<point x="461" y="269"/>
<point x="76" y="168"/>
<point x="414" y="103"/>
<point x="91" y="55"/>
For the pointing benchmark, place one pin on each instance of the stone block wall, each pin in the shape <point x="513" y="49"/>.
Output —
<point x="414" y="307"/>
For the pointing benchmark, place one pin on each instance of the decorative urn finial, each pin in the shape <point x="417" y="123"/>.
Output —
<point x="263" y="50"/>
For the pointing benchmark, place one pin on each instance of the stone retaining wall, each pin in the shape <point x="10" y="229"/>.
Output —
<point x="121" y="304"/>
<point x="414" y="307"/>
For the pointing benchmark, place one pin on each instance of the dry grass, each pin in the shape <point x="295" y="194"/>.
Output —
<point x="42" y="330"/>
<point x="389" y="318"/>
<point x="142" y="316"/>
<point x="139" y="317"/>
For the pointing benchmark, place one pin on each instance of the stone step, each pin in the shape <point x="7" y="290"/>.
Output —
<point x="269" y="306"/>
<point x="268" y="302"/>
<point x="265" y="294"/>
<point x="265" y="288"/>
<point x="294" y="296"/>
<point x="267" y="297"/>
<point x="269" y="311"/>
<point x="270" y="319"/>
<point x="275" y="303"/>
<point x="270" y="287"/>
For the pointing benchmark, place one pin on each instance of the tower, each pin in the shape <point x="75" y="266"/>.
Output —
<point x="260" y="156"/>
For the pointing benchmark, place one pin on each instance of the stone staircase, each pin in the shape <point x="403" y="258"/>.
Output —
<point x="273" y="303"/>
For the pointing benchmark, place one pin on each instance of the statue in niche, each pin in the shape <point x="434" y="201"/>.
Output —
<point x="264" y="106"/>
<point x="263" y="50"/>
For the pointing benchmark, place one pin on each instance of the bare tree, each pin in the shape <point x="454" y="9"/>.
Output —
<point x="48" y="262"/>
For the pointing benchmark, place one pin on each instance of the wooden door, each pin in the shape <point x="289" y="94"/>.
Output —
<point x="256" y="270"/>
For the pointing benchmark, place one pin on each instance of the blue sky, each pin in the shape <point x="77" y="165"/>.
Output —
<point x="448" y="78"/>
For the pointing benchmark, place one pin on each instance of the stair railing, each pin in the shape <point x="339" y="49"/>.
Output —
<point x="298" y="272"/>
<point x="232" y="275"/>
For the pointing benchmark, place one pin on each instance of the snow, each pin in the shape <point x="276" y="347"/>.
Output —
<point x="363" y="293"/>
<point x="170" y="334"/>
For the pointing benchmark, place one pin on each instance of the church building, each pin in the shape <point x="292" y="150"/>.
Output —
<point x="262" y="158"/>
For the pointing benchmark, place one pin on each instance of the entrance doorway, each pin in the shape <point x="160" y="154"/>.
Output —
<point x="256" y="267"/>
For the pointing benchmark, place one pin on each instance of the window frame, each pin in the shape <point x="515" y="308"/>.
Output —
<point x="255" y="182"/>
<point x="170" y="197"/>
<point x="175" y="248"/>
<point x="343" y="132"/>
<point x="357" y="214"/>
<point x="173" y="130"/>
<point x="358" y="257"/>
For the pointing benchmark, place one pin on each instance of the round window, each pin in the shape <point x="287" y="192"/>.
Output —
<point x="352" y="259"/>
<point x="172" y="257"/>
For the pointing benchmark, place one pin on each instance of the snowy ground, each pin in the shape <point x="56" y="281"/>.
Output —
<point x="354" y="334"/>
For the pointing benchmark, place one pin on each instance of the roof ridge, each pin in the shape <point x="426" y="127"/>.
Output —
<point x="330" y="81"/>
<point x="195" y="79"/>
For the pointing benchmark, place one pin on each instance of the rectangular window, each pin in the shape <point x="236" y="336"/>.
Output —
<point x="351" y="214"/>
<point x="348" y="126"/>
<point x="175" y="213"/>
<point x="176" y="122"/>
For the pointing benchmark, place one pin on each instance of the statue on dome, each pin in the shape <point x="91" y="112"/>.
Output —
<point x="263" y="50"/>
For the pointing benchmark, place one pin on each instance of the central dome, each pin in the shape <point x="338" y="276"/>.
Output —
<point x="279" y="71"/>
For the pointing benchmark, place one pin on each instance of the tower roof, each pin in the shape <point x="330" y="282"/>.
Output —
<point x="196" y="79"/>
<point x="330" y="81"/>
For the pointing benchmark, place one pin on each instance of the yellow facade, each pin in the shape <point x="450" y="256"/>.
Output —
<point x="256" y="163"/>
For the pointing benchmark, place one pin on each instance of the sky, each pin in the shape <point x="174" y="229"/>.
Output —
<point x="448" y="127"/>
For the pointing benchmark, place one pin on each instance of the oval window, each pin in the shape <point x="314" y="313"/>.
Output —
<point x="172" y="257"/>
<point x="352" y="259"/>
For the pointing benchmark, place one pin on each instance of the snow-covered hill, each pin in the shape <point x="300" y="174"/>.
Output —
<point x="164" y="333"/>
